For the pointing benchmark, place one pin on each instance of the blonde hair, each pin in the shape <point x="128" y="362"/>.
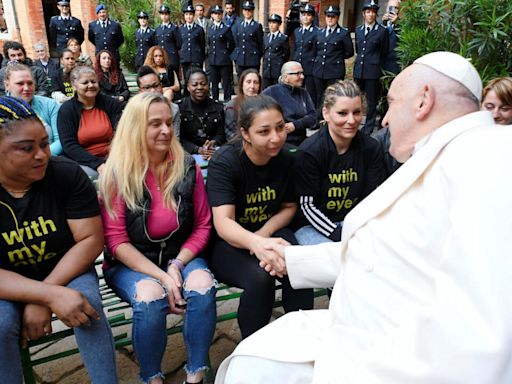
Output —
<point x="128" y="160"/>
<point x="502" y="86"/>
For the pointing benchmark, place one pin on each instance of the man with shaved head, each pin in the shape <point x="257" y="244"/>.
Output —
<point x="298" y="109"/>
<point x="423" y="274"/>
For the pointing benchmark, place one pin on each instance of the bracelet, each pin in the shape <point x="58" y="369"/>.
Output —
<point x="177" y="263"/>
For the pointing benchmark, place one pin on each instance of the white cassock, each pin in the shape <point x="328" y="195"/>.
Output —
<point x="423" y="274"/>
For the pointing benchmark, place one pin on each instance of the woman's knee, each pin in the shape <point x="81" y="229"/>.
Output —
<point x="148" y="290"/>
<point x="10" y="319"/>
<point x="200" y="281"/>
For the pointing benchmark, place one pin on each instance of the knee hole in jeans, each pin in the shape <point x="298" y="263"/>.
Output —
<point x="200" y="281"/>
<point x="149" y="290"/>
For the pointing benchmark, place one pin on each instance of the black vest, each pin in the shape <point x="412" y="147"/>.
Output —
<point x="160" y="251"/>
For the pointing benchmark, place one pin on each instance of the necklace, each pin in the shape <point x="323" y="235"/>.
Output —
<point x="17" y="192"/>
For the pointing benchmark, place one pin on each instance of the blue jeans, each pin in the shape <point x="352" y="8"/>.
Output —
<point x="95" y="341"/>
<point x="308" y="235"/>
<point x="149" y="331"/>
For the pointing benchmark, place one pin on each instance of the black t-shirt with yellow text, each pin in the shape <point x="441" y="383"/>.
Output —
<point x="34" y="232"/>
<point x="256" y="191"/>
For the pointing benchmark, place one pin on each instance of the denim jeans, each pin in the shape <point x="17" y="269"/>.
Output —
<point x="149" y="332"/>
<point x="308" y="235"/>
<point x="95" y="341"/>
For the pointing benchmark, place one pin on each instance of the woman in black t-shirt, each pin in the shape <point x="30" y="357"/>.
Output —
<point x="250" y="189"/>
<point x="51" y="233"/>
<point x="337" y="167"/>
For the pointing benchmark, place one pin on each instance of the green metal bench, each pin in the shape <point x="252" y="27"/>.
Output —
<point x="116" y="311"/>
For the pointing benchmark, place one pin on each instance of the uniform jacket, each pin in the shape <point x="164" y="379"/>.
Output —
<point x="422" y="273"/>
<point x="248" y="43"/>
<point x="143" y="41"/>
<point x="331" y="53"/>
<point x="304" y="50"/>
<point x="168" y="37"/>
<point x="371" y="50"/>
<point x="275" y="55"/>
<point x="220" y="45"/>
<point x="109" y="38"/>
<point x="229" y="21"/>
<point x="391" y="61"/>
<point x="62" y="30"/>
<point x="195" y="130"/>
<point x="193" y="44"/>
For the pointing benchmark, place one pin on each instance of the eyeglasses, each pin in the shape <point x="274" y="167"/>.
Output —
<point x="301" y="73"/>
<point x="151" y="86"/>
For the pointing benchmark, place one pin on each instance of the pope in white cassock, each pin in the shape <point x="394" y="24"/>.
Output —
<point x="423" y="274"/>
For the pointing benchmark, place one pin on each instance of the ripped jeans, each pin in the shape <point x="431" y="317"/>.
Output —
<point x="149" y="332"/>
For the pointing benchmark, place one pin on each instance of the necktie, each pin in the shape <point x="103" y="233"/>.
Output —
<point x="329" y="31"/>
<point x="104" y="25"/>
<point x="367" y="31"/>
<point x="271" y="38"/>
<point x="189" y="27"/>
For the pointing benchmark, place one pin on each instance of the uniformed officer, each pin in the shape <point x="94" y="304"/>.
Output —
<point x="277" y="51"/>
<point x="168" y="37"/>
<point x="372" y="42"/>
<point x="220" y="46"/>
<point x="193" y="42"/>
<point x="304" y="51"/>
<point x="390" y="21"/>
<point x="144" y="39"/>
<point x="229" y="16"/>
<point x="248" y="35"/>
<point x="334" y="45"/>
<point x="65" y="26"/>
<point x="105" y="33"/>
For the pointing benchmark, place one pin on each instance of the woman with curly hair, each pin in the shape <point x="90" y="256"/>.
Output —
<point x="158" y="60"/>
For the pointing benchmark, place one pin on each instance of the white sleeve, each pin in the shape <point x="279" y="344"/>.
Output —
<point x="466" y="335"/>
<point x="313" y="266"/>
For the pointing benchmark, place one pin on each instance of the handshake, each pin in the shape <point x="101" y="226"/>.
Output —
<point x="270" y="253"/>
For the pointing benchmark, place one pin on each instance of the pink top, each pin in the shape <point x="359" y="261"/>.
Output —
<point x="161" y="220"/>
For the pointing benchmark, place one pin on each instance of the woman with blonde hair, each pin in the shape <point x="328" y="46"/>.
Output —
<point x="158" y="60"/>
<point x="157" y="224"/>
<point x="337" y="167"/>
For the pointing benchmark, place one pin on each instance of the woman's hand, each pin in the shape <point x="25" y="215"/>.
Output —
<point x="207" y="150"/>
<point x="289" y="127"/>
<point x="37" y="322"/>
<point x="173" y="284"/>
<point x="71" y="307"/>
<point x="265" y="250"/>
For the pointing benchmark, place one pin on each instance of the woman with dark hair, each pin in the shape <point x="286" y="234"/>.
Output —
<point x="249" y="85"/>
<point x="337" y="167"/>
<point x="158" y="60"/>
<point x="80" y="57"/>
<point x="52" y="229"/>
<point x="62" y="90"/>
<point x="111" y="78"/>
<point x="250" y="190"/>
<point x="87" y="122"/>
<point x="157" y="224"/>
<point x="202" y="118"/>
<point x="497" y="99"/>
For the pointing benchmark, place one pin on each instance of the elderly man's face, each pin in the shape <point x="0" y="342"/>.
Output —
<point x="404" y="93"/>
<point x="199" y="12"/>
<point x="294" y="76"/>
